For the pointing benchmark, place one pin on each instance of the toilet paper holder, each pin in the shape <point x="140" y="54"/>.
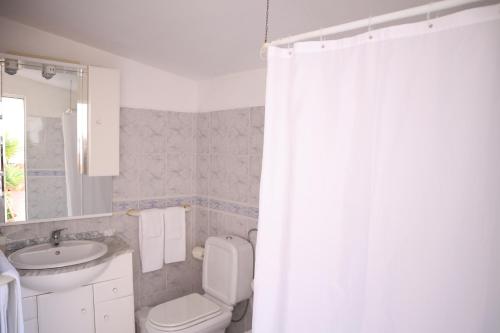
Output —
<point x="198" y="252"/>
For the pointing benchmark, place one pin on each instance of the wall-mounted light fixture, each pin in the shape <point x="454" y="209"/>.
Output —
<point x="11" y="66"/>
<point x="48" y="71"/>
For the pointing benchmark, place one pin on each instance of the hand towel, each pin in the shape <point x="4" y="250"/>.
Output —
<point x="11" y="310"/>
<point x="175" y="234"/>
<point x="151" y="236"/>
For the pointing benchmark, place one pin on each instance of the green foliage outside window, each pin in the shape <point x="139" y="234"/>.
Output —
<point x="14" y="173"/>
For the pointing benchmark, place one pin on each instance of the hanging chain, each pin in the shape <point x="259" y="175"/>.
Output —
<point x="267" y="21"/>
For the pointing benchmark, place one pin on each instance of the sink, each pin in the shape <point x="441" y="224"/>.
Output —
<point x="66" y="254"/>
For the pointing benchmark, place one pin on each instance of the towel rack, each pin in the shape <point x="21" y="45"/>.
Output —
<point x="136" y="212"/>
<point x="5" y="279"/>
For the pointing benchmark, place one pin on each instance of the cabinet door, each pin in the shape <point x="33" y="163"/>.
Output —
<point x="103" y="122"/>
<point x="30" y="315"/>
<point x="116" y="316"/>
<point x="64" y="312"/>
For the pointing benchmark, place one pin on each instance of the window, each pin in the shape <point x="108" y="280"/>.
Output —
<point x="12" y="124"/>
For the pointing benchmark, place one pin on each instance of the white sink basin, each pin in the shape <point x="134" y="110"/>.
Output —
<point x="66" y="254"/>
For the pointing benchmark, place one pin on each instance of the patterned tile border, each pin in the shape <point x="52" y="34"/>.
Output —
<point x="19" y="244"/>
<point x="45" y="173"/>
<point x="199" y="201"/>
<point x="233" y="208"/>
<point x="124" y="205"/>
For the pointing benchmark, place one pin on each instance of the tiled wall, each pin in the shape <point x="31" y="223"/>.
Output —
<point x="156" y="170"/>
<point x="209" y="160"/>
<point x="156" y="158"/>
<point x="229" y="155"/>
<point x="228" y="165"/>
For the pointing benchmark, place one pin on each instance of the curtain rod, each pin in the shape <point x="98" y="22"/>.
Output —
<point x="365" y="23"/>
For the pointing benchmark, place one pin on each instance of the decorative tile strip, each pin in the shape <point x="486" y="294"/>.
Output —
<point x="45" y="173"/>
<point x="174" y="202"/>
<point x="199" y="201"/>
<point x="123" y="206"/>
<point x="19" y="244"/>
<point x="228" y="207"/>
<point x="152" y="203"/>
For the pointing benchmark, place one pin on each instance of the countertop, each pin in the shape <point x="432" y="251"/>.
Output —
<point x="116" y="247"/>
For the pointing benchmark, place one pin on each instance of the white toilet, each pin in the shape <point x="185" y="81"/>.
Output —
<point x="227" y="277"/>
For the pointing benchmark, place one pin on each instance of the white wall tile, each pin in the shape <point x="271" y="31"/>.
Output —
<point x="179" y="176"/>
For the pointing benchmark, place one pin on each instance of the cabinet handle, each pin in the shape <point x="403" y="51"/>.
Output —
<point x="84" y="310"/>
<point x="106" y="317"/>
<point x="115" y="290"/>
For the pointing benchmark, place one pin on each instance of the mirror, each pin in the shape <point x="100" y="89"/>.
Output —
<point x="43" y="119"/>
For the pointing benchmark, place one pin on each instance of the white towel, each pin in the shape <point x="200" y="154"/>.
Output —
<point x="175" y="234"/>
<point x="11" y="308"/>
<point x="151" y="236"/>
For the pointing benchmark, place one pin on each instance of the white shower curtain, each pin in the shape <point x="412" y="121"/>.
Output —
<point x="72" y="173"/>
<point x="85" y="195"/>
<point x="380" y="192"/>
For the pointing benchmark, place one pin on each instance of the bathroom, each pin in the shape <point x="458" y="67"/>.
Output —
<point x="137" y="132"/>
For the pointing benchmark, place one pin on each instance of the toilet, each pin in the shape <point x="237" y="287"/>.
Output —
<point x="227" y="278"/>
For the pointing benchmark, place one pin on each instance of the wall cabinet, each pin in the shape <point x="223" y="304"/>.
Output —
<point x="104" y="306"/>
<point x="103" y="130"/>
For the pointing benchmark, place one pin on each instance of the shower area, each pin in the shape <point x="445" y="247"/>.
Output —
<point x="380" y="191"/>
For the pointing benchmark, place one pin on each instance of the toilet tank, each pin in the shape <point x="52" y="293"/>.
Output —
<point x="228" y="269"/>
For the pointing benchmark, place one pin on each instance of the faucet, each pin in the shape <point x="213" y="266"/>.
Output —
<point x="55" y="237"/>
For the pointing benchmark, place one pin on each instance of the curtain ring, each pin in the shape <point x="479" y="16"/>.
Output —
<point x="370" y="36"/>
<point x="322" y="39"/>
<point x="429" y="12"/>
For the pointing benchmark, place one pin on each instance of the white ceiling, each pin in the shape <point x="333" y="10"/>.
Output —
<point x="193" y="38"/>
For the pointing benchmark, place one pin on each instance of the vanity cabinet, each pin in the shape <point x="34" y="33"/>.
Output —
<point x="104" y="306"/>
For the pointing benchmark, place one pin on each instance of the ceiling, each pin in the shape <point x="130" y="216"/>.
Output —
<point x="193" y="38"/>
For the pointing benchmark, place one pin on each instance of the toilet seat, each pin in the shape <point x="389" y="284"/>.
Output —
<point x="182" y="313"/>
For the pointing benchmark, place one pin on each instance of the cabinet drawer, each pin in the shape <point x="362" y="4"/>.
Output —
<point x="119" y="267"/>
<point x="29" y="308"/>
<point x="31" y="326"/>
<point x="116" y="316"/>
<point x="113" y="289"/>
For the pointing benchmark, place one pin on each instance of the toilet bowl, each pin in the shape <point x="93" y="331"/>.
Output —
<point x="193" y="313"/>
<point x="227" y="277"/>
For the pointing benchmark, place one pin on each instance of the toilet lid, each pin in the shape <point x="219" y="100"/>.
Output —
<point x="182" y="311"/>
